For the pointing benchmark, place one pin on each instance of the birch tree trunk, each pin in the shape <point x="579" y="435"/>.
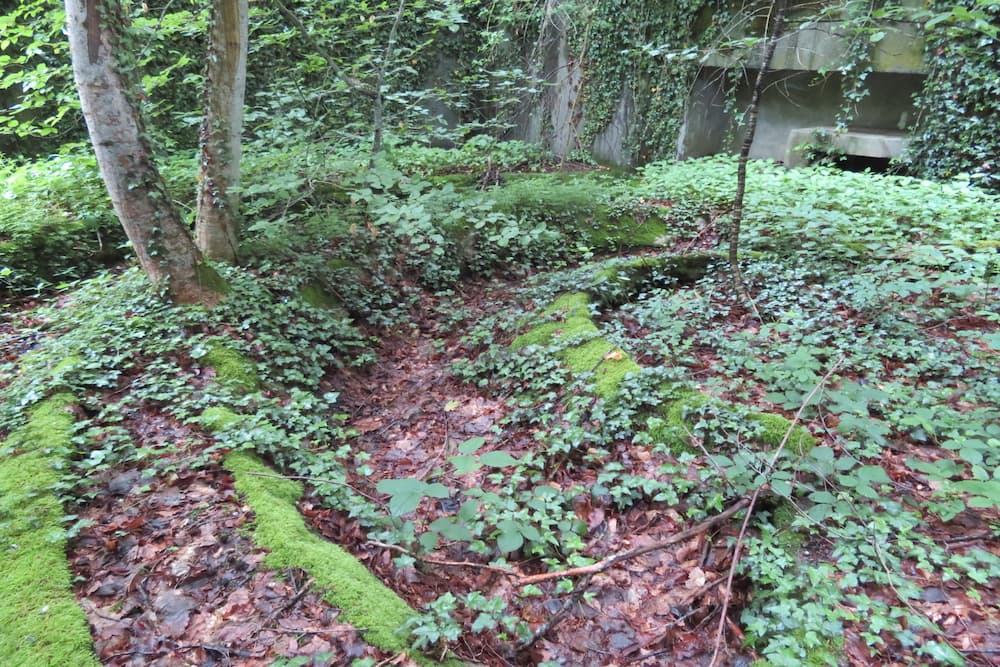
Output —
<point x="124" y="154"/>
<point x="217" y="222"/>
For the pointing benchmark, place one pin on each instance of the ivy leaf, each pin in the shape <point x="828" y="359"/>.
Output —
<point x="404" y="494"/>
<point x="472" y="445"/>
<point x="498" y="459"/>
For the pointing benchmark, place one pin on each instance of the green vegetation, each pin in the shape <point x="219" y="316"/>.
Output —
<point x="641" y="379"/>
<point x="42" y="624"/>
<point x="365" y="601"/>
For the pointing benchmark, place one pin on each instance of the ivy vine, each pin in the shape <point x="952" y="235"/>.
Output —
<point x="637" y="48"/>
<point x="959" y="112"/>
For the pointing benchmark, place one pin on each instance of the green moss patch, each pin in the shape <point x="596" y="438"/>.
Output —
<point x="365" y="601"/>
<point x="42" y="624"/>
<point x="568" y="317"/>
<point x="216" y="418"/>
<point x="232" y="369"/>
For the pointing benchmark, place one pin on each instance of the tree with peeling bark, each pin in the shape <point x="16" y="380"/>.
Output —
<point x="162" y="243"/>
<point x="217" y="222"/>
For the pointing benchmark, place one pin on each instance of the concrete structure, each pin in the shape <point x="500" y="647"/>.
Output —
<point x="803" y="93"/>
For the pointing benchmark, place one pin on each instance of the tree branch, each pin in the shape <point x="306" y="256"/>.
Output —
<point x="611" y="561"/>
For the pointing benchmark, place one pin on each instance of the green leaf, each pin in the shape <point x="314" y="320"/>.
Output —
<point x="509" y="541"/>
<point x="428" y="540"/>
<point x="498" y="459"/>
<point x="472" y="445"/>
<point x="437" y="490"/>
<point x="781" y="487"/>
<point x="404" y="494"/>
<point x="873" y="475"/>
<point x="822" y="497"/>
<point x="465" y="464"/>
<point x="452" y="529"/>
<point x="989" y="490"/>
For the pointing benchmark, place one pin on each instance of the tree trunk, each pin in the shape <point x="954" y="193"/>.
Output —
<point x="778" y="12"/>
<point x="378" y="111"/>
<point x="217" y="222"/>
<point x="124" y="154"/>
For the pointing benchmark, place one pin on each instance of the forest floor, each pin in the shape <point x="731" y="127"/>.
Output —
<point x="167" y="574"/>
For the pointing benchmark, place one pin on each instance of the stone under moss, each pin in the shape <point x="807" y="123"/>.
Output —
<point x="364" y="601"/>
<point x="217" y="418"/>
<point x="567" y="316"/>
<point x="775" y="427"/>
<point x="232" y="369"/>
<point x="571" y="312"/>
<point x="41" y="623"/>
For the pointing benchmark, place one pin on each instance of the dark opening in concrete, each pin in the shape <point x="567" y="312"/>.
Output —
<point x="879" y="165"/>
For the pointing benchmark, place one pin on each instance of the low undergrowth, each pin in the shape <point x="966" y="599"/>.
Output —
<point x="637" y="399"/>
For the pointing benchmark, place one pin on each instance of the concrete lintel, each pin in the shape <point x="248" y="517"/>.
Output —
<point x="820" y="46"/>
<point x="866" y="143"/>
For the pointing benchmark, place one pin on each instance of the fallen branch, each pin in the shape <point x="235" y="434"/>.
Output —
<point x="611" y="561"/>
<point x="447" y="563"/>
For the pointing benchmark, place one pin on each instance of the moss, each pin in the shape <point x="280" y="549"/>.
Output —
<point x="567" y="316"/>
<point x="364" y="601"/>
<point x="672" y="429"/>
<point x="774" y="428"/>
<point x="216" y="419"/>
<point x="42" y="624"/>
<point x="231" y="368"/>
<point x="317" y="296"/>
<point x="210" y="278"/>
<point x="606" y="361"/>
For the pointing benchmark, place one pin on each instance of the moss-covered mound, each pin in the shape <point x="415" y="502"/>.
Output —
<point x="364" y="600"/>
<point x="567" y="322"/>
<point x="41" y="623"/>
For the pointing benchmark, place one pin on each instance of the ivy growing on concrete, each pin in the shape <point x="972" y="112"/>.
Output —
<point x="636" y="49"/>
<point x="959" y="112"/>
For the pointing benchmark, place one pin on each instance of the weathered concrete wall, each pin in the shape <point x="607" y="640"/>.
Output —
<point x="795" y="95"/>
<point x="791" y="100"/>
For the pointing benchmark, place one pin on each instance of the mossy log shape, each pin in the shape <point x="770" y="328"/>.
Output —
<point x="569" y="317"/>
<point x="40" y="622"/>
<point x="364" y="600"/>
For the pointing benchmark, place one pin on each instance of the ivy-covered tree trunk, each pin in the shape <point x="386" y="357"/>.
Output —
<point x="124" y="154"/>
<point x="217" y="222"/>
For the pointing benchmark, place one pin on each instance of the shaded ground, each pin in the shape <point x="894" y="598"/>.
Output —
<point x="167" y="577"/>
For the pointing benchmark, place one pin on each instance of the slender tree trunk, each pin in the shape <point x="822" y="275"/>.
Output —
<point x="124" y="154"/>
<point x="778" y="12"/>
<point x="378" y="120"/>
<point x="217" y="222"/>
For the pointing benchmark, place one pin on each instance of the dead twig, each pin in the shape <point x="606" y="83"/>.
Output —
<point x="446" y="563"/>
<point x="611" y="561"/>
<point x="728" y="592"/>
